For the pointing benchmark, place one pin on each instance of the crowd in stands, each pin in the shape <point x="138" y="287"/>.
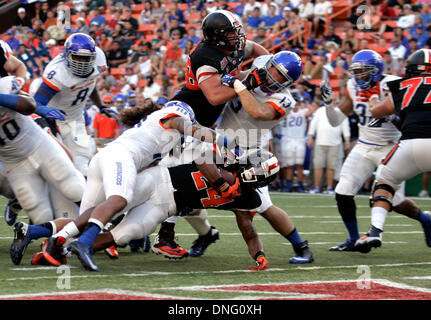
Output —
<point x="147" y="42"/>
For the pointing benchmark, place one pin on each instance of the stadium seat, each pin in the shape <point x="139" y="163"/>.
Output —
<point x="117" y="72"/>
<point x="338" y="6"/>
<point x="138" y="8"/>
<point x="147" y="28"/>
<point x="142" y="83"/>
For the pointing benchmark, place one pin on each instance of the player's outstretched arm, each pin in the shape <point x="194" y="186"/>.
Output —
<point x="258" y="110"/>
<point x="26" y="105"/>
<point x="335" y="115"/>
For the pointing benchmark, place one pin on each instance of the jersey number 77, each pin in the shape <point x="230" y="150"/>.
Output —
<point x="412" y="85"/>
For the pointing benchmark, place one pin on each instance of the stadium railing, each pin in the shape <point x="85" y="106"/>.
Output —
<point x="340" y="9"/>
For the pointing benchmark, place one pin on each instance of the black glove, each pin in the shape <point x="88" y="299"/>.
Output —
<point x="255" y="79"/>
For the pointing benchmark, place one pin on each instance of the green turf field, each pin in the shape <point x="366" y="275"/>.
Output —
<point x="404" y="258"/>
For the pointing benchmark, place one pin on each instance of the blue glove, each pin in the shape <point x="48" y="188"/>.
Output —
<point x="325" y="88"/>
<point x="228" y="80"/>
<point x="50" y="113"/>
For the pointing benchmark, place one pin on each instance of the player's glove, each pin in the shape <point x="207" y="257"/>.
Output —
<point x="226" y="190"/>
<point x="255" y="79"/>
<point x="50" y="113"/>
<point x="326" y="90"/>
<point x="228" y="80"/>
<point x="365" y="95"/>
<point x="261" y="262"/>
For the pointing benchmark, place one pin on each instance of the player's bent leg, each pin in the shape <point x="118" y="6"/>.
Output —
<point x="164" y="242"/>
<point x="409" y="209"/>
<point x="138" y="223"/>
<point x="381" y="203"/>
<point x="207" y="233"/>
<point x="282" y="223"/>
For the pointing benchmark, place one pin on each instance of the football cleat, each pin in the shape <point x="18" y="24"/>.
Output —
<point x="201" y="244"/>
<point x="39" y="260"/>
<point x="170" y="249"/>
<point x="427" y="230"/>
<point x="303" y="253"/>
<point x="21" y="240"/>
<point x="112" y="252"/>
<point x="144" y="243"/>
<point x="83" y="253"/>
<point x="348" y="245"/>
<point x="365" y="243"/>
<point x="11" y="211"/>
<point x="52" y="249"/>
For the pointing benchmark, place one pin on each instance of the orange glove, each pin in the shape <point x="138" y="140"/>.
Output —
<point x="230" y="191"/>
<point x="261" y="264"/>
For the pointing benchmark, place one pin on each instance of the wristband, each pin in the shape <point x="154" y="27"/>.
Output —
<point x="259" y="254"/>
<point x="238" y="86"/>
<point x="219" y="182"/>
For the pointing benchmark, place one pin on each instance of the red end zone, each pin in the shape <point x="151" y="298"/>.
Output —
<point x="337" y="290"/>
<point x="348" y="290"/>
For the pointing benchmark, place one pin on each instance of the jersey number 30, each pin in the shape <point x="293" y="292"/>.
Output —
<point x="10" y="129"/>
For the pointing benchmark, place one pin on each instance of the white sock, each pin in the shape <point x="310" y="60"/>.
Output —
<point x="70" y="230"/>
<point x="172" y="219"/>
<point x="378" y="217"/>
<point x="200" y="222"/>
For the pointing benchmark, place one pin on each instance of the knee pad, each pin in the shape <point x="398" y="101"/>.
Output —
<point x="346" y="207"/>
<point x="386" y="199"/>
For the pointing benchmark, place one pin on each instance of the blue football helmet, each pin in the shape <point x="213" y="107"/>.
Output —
<point x="366" y="68"/>
<point x="80" y="54"/>
<point x="288" y="64"/>
<point x="182" y="108"/>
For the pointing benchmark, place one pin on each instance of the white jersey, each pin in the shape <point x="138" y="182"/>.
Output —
<point x="238" y="124"/>
<point x="295" y="124"/>
<point x="386" y="133"/>
<point x="72" y="91"/>
<point x="152" y="141"/>
<point x="19" y="135"/>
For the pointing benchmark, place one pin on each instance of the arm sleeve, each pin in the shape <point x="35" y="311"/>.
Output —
<point x="313" y="124"/>
<point x="346" y="128"/>
<point x="335" y="115"/>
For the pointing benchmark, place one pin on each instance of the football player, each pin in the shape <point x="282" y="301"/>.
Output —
<point x="11" y="65"/>
<point x="161" y="192"/>
<point x="408" y="98"/>
<point x="31" y="158"/>
<point x="112" y="175"/>
<point x="223" y="48"/>
<point x="376" y="138"/>
<point x="292" y="146"/>
<point x="260" y="110"/>
<point x="68" y="81"/>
